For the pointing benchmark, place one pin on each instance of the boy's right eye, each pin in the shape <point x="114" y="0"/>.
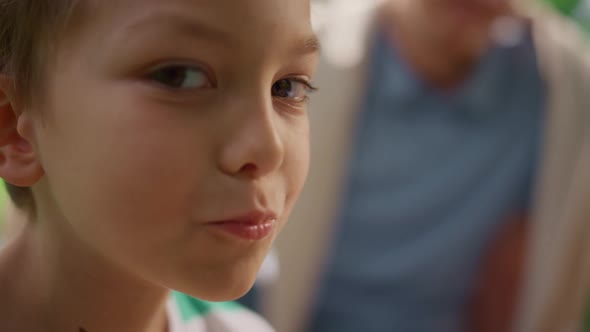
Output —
<point x="180" y="77"/>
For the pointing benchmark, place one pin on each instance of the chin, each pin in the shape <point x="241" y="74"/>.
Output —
<point x="223" y="293"/>
<point x="220" y="286"/>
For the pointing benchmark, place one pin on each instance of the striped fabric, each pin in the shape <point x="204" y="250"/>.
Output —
<point x="187" y="314"/>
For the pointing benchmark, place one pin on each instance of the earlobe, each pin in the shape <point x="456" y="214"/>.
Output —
<point x="19" y="164"/>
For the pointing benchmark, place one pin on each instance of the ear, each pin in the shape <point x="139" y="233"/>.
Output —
<point x="19" y="164"/>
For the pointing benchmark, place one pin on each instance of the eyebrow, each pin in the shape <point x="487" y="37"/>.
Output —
<point x="181" y="24"/>
<point x="310" y="45"/>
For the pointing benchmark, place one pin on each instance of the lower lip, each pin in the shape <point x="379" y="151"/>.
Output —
<point x="246" y="231"/>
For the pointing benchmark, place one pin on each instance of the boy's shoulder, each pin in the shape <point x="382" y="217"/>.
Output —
<point x="188" y="314"/>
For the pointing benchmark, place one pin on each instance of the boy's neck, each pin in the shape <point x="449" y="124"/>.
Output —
<point x="48" y="286"/>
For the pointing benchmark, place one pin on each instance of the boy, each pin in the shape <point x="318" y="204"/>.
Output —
<point x="155" y="145"/>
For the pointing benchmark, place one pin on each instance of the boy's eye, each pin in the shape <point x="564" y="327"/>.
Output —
<point x="292" y="88"/>
<point x="180" y="77"/>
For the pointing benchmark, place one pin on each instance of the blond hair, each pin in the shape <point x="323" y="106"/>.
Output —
<point x="29" y="30"/>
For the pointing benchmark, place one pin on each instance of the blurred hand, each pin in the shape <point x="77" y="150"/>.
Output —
<point x="499" y="281"/>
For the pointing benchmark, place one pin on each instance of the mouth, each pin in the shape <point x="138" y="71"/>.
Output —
<point x="252" y="226"/>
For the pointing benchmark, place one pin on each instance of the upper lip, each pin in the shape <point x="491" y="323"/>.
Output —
<point x="252" y="217"/>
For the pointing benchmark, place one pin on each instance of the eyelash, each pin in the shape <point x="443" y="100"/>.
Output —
<point x="307" y="86"/>
<point x="310" y="86"/>
<point x="158" y="75"/>
<point x="152" y="75"/>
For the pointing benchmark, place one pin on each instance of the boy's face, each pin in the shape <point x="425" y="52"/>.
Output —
<point x="164" y="118"/>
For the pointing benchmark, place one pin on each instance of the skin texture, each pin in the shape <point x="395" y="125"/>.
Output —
<point x="127" y="171"/>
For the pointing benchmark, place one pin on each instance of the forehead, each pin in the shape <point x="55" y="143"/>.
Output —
<point x="239" y="19"/>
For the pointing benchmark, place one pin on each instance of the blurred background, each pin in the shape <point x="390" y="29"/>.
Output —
<point x="3" y="200"/>
<point x="577" y="10"/>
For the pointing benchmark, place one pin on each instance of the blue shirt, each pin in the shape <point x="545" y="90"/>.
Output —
<point x="432" y="178"/>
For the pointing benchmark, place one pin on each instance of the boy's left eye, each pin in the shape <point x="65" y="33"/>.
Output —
<point x="294" y="89"/>
<point x="180" y="77"/>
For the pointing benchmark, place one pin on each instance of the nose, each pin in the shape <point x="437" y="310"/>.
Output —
<point x="252" y="146"/>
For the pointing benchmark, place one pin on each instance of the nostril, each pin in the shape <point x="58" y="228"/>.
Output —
<point x="249" y="169"/>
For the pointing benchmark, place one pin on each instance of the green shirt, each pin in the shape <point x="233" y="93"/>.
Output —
<point x="187" y="314"/>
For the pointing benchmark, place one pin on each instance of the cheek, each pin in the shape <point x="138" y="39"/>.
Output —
<point x="296" y="164"/>
<point x="125" y="169"/>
